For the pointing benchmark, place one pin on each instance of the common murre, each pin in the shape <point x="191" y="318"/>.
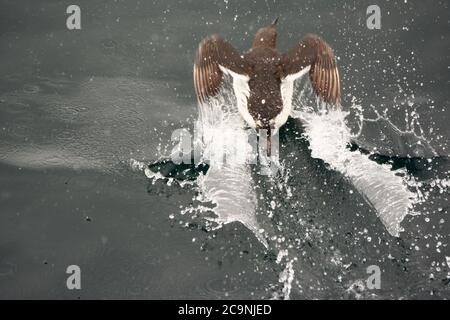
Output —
<point x="263" y="79"/>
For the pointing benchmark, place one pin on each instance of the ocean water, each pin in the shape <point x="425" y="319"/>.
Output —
<point x="90" y="121"/>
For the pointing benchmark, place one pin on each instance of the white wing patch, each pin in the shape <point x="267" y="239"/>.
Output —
<point x="287" y="90"/>
<point x="242" y="92"/>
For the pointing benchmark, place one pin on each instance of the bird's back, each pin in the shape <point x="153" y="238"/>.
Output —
<point x="264" y="101"/>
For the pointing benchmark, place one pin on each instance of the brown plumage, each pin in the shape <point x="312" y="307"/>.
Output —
<point x="324" y="74"/>
<point x="212" y="52"/>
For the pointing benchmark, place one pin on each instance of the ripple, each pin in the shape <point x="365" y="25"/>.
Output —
<point x="220" y="288"/>
<point x="6" y="269"/>
<point x="14" y="107"/>
<point x="31" y="88"/>
<point x="108" y="44"/>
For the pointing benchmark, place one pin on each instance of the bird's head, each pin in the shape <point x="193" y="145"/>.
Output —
<point x="266" y="37"/>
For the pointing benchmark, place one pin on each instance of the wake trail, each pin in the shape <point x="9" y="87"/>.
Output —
<point x="385" y="189"/>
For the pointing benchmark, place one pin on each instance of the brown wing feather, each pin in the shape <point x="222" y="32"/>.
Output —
<point x="212" y="52"/>
<point x="324" y="73"/>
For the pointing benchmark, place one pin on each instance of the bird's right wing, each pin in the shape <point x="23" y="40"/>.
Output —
<point x="315" y="54"/>
<point x="214" y="52"/>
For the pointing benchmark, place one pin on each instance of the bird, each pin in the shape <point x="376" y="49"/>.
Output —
<point x="263" y="78"/>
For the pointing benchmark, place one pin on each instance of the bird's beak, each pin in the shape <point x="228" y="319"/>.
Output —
<point x="274" y="23"/>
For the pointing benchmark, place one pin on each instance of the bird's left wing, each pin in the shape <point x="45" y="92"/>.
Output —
<point x="214" y="52"/>
<point x="315" y="54"/>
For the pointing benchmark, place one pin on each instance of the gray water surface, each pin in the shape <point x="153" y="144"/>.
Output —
<point x="77" y="106"/>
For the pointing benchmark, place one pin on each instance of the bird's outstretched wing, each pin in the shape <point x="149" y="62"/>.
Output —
<point x="315" y="53"/>
<point x="212" y="53"/>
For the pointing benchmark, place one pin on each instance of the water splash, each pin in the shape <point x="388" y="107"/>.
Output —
<point x="229" y="190"/>
<point x="286" y="276"/>
<point x="227" y="184"/>
<point x="386" y="190"/>
<point x="380" y="135"/>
